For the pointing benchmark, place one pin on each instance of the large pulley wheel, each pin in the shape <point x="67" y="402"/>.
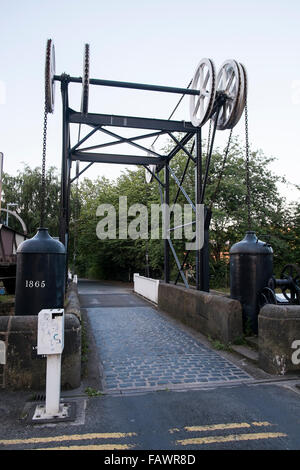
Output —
<point x="231" y="83"/>
<point x="49" y="77"/>
<point x="85" y="80"/>
<point x="243" y="96"/>
<point x="204" y="81"/>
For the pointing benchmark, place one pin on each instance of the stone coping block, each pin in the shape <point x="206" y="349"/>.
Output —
<point x="213" y="315"/>
<point x="24" y="369"/>
<point x="72" y="304"/>
<point x="278" y="329"/>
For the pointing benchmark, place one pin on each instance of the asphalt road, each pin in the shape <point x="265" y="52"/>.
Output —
<point x="182" y="415"/>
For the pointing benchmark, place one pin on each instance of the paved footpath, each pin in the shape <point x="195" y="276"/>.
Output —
<point x="141" y="349"/>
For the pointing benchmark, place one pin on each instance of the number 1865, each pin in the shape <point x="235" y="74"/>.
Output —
<point x="32" y="284"/>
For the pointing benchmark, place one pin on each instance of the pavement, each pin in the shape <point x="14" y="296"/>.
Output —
<point x="151" y="383"/>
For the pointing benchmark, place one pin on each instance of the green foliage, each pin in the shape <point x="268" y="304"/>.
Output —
<point x="272" y="220"/>
<point x="25" y="190"/>
<point x="92" y="392"/>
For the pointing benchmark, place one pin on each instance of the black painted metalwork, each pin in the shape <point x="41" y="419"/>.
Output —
<point x="100" y="124"/>
<point x="115" y="158"/>
<point x="40" y="277"/>
<point x="251" y="267"/>
<point x="133" y="86"/>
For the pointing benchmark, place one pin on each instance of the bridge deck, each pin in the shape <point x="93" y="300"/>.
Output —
<point x="140" y="348"/>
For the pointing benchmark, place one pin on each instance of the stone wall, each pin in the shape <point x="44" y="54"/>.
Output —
<point x="278" y="332"/>
<point x="23" y="368"/>
<point x="214" y="315"/>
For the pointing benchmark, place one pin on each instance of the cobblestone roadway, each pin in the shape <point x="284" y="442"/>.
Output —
<point x="139" y="348"/>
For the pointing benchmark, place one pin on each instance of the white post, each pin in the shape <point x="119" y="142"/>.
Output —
<point x="53" y="375"/>
<point x="50" y="342"/>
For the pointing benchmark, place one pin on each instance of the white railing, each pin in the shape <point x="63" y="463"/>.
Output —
<point x="146" y="287"/>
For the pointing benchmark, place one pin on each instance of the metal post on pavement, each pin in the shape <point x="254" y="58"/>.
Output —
<point x="50" y="342"/>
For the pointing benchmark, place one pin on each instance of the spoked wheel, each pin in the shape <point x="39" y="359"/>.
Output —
<point x="204" y="80"/>
<point x="49" y="77"/>
<point x="266" y="296"/>
<point x="231" y="81"/>
<point x="243" y="96"/>
<point x="291" y="273"/>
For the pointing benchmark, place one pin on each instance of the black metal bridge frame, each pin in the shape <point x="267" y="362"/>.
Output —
<point x="99" y="123"/>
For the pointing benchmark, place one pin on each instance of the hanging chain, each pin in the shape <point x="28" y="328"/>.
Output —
<point x="76" y="218"/>
<point x="222" y="170"/>
<point x="248" y="197"/>
<point x="43" y="187"/>
<point x="208" y="138"/>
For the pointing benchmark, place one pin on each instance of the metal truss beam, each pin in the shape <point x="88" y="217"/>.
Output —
<point x="132" y="85"/>
<point x="130" y="142"/>
<point x="121" y="140"/>
<point x="115" y="158"/>
<point x="154" y="175"/>
<point x="182" y="147"/>
<point x="93" y="119"/>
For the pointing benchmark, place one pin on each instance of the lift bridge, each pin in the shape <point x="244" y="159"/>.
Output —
<point x="217" y="97"/>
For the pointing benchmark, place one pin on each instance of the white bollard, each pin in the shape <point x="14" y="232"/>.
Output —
<point x="53" y="375"/>
<point x="50" y="342"/>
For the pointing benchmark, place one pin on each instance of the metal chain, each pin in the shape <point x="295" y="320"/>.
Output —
<point x="248" y="197"/>
<point x="222" y="170"/>
<point x="208" y="138"/>
<point x="47" y="109"/>
<point x="43" y="186"/>
<point x="76" y="218"/>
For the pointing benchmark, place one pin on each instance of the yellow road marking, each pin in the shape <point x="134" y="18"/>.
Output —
<point x="261" y="423"/>
<point x="92" y="447"/>
<point x="215" y="427"/>
<point x="171" y="431"/>
<point x="71" y="437"/>
<point x="230" y="438"/>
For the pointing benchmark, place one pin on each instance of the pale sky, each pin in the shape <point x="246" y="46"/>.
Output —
<point x="157" y="42"/>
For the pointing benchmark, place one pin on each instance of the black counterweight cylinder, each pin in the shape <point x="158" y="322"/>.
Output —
<point x="251" y="266"/>
<point x="40" y="280"/>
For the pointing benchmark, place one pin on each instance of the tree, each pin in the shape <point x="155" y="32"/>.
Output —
<point x="25" y="190"/>
<point x="226" y="194"/>
<point x="271" y="218"/>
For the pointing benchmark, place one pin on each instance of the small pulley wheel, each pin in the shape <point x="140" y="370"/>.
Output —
<point x="85" y="80"/>
<point x="230" y="82"/>
<point x="49" y="77"/>
<point x="152" y="168"/>
<point x="266" y="296"/>
<point x="204" y="81"/>
<point x="291" y="292"/>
